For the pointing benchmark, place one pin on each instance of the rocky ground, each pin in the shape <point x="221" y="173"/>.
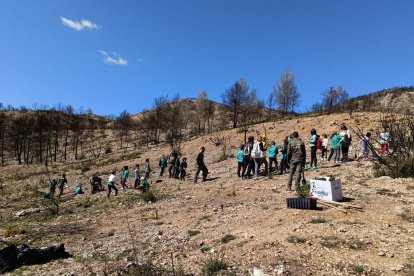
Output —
<point x="243" y="222"/>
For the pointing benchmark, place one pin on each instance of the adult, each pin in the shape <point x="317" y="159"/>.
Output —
<point x="201" y="166"/>
<point x="95" y="183"/>
<point x="273" y="151"/>
<point x="162" y="164"/>
<point x="384" y="140"/>
<point x="248" y="162"/>
<point x="297" y="159"/>
<point x="259" y="156"/>
<point x="171" y="160"/>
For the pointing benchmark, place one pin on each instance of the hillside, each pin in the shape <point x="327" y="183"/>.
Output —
<point x="396" y="99"/>
<point x="104" y="234"/>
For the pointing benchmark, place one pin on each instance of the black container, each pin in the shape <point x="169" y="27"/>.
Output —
<point x="301" y="203"/>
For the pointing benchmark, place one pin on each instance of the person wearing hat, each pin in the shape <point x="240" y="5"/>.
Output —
<point x="144" y="186"/>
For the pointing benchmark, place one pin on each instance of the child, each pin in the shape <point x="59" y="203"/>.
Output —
<point x="345" y="143"/>
<point x="177" y="167"/>
<point x="240" y="161"/>
<point x="112" y="183"/>
<point x="335" y="147"/>
<point x="78" y="189"/>
<point x="283" y="157"/>
<point x="137" y="176"/>
<point x="325" y="141"/>
<point x="52" y="188"/>
<point x="61" y="184"/>
<point x="312" y="142"/>
<point x="144" y="186"/>
<point x="363" y="147"/>
<point x="147" y="168"/>
<point x="124" y="177"/>
<point x="163" y="164"/>
<point x="273" y="151"/>
<point x="384" y="141"/>
<point x="183" y="168"/>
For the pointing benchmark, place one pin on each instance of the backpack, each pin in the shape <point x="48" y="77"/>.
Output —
<point x="246" y="150"/>
<point x="319" y="143"/>
<point x="255" y="150"/>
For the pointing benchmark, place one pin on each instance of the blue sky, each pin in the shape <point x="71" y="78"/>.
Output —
<point x="116" y="55"/>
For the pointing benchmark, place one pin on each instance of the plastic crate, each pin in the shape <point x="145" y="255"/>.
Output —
<point x="301" y="203"/>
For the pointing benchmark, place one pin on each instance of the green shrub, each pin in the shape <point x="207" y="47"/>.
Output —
<point x="148" y="196"/>
<point x="213" y="266"/>
<point x="193" y="232"/>
<point x="227" y="238"/>
<point x="318" y="220"/>
<point x="303" y="190"/>
<point x="296" y="239"/>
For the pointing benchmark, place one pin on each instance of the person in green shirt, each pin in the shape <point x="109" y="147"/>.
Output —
<point x="273" y="151"/>
<point x="240" y="161"/>
<point x="312" y="143"/>
<point x="345" y="143"/>
<point x="162" y="164"/>
<point x="124" y="177"/>
<point x="144" y="186"/>
<point x="335" y="147"/>
<point x="78" y="189"/>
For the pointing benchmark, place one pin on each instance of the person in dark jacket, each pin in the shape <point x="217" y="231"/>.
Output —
<point x="248" y="163"/>
<point x="183" y="167"/>
<point x="297" y="159"/>
<point x="201" y="166"/>
<point x="171" y="160"/>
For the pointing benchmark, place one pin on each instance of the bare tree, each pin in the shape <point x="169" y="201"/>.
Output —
<point x="235" y="97"/>
<point x="285" y="93"/>
<point x="206" y="112"/>
<point x="124" y="124"/>
<point x="333" y="97"/>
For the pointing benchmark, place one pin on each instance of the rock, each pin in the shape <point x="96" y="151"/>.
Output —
<point x="399" y="210"/>
<point x="298" y="227"/>
<point x="257" y="272"/>
<point x="27" y="212"/>
<point x="381" y="253"/>
<point x="398" y="268"/>
<point x="341" y="230"/>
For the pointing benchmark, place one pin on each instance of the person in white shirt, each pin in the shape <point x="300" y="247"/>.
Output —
<point x="112" y="183"/>
<point x="325" y="141"/>
<point x="384" y="140"/>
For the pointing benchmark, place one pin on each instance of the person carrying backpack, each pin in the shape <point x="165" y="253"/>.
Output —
<point x="283" y="157"/>
<point x="61" y="184"/>
<point x="248" y="162"/>
<point x="240" y="161"/>
<point x="259" y="156"/>
<point x="273" y="151"/>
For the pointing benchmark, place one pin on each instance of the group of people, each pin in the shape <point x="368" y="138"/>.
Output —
<point x="250" y="157"/>
<point x="61" y="184"/>
<point x="177" y="167"/>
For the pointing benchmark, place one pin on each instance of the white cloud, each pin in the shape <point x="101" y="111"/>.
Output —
<point x="115" y="58"/>
<point x="79" y="25"/>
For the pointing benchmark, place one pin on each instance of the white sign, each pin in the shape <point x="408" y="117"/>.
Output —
<point x="326" y="189"/>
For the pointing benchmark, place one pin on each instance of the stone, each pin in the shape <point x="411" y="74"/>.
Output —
<point x="381" y="253"/>
<point x="399" y="210"/>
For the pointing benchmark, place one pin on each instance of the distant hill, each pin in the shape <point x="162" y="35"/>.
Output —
<point x="396" y="99"/>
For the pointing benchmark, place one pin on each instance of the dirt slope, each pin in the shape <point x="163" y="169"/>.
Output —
<point x="269" y="236"/>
